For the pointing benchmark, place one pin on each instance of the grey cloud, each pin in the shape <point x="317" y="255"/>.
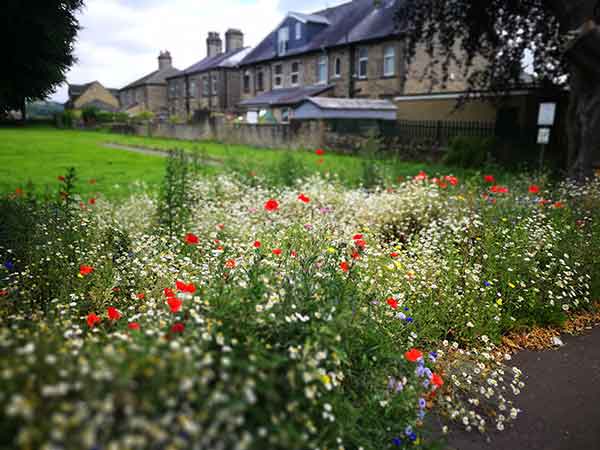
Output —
<point x="307" y="6"/>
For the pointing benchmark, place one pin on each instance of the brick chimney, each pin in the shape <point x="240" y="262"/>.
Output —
<point x="214" y="44"/>
<point x="164" y="60"/>
<point x="234" y="39"/>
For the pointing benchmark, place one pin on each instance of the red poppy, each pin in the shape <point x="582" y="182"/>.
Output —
<point x="392" y="302"/>
<point x="360" y="243"/>
<point x="558" y="205"/>
<point x="303" y="198"/>
<point x="442" y="184"/>
<point x="355" y="255"/>
<point x="293" y="254"/>
<point x="174" y="304"/>
<point x="3" y="292"/>
<point x="92" y="201"/>
<point x="421" y="176"/>
<point x="499" y="189"/>
<point x="272" y="205"/>
<point x="356" y="237"/>
<point x="61" y="178"/>
<point x="178" y="328"/>
<point x="18" y="192"/>
<point x="257" y="244"/>
<point x="93" y="319"/>
<point x="113" y="313"/>
<point x="116" y="289"/>
<point x="169" y="292"/>
<point x="394" y="254"/>
<point x="320" y="151"/>
<point x="220" y="226"/>
<point x="489" y="179"/>
<point x="185" y="287"/>
<point x="436" y="380"/>
<point x="413" y="355"/>
<point x="133" y="326"/>
<point x="451" y="179"/>
<point x="85" y="270"/>
<point x="277" y="251"/>
<point x="191" y="239"/>
<point x="141" y="296"/>
<point x="344" y="266"/>
<point x="534" y="189"/>
<point x="230" y="263"/>
<point x="220" y="248"/>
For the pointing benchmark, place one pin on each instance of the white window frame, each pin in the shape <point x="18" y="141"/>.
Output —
<point x="298" y="30"/>
<point x="296" y="73"/>
<point x="283" y="40"/>
<point x="277" y="77"/>
<point x="364" y="58"/>
<point x="206" y="86"/>
<point x="337" y="62"/>
<point x="323" y="64"/>
<point x="389" y="54"/>
<point x="214" y="84"/>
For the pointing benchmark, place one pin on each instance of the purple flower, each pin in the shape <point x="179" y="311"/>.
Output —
<point x="409" y="319"/>
<point x="408" y="430"/>
<point x="9" y="266"/>
<point x="422" y="403"/>
<point x="412" y="437"/>
<point x="397" y="442"/>
<point x="487" y="283"/>
<point x="400" y="316"/>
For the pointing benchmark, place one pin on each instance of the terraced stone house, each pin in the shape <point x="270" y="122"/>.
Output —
<point x="354" y="50"/>
<point x="93" y="95"/>
<point x="213" y="83"/>
<point x="149" y="93"/>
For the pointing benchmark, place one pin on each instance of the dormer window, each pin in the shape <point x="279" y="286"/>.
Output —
<point x="283" y="38"/>
<point x="298" y="30"/>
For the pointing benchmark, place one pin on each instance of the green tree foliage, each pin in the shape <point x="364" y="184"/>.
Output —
<point x="38" y="40"/>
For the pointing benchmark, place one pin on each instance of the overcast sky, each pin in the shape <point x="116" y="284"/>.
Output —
<point x="120" y="39"/>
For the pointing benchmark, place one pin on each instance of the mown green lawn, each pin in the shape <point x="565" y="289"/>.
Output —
<point x="39" y="155"/>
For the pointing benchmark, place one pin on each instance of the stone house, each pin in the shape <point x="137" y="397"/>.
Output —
<point x="354" y="50"/>
<point x="94" y="95"/>
<point x="149" y="93"/>
<point x="213" y="83"/>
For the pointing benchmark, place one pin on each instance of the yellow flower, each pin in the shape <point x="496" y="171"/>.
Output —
<point x="325" y="379"/>
<point x="331" y="250"/>
<point x="499" y="302"/>
<point x="511" y="285"/>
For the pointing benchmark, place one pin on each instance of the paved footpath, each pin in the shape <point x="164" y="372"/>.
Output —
<point x="560" y="402"/>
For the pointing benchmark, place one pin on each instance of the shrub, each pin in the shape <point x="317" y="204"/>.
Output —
<point x="90" y="115"/>
<point x="468" y="152"/>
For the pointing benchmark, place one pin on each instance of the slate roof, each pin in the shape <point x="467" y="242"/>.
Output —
<point x="99" y="104"/>
<point x="289" y="96"/>
<point x="352" y="22"/>
<point x="222" y="60"/>
<point x="76" y="90"/>
<point x="156" y="77"/>
<point x="352" y="103"/>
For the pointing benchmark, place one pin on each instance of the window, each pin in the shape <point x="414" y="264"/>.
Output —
<point x="247" y="82"/>
<point x="294" y="75"/>
<point x="363" y="62"/>
<point x="278" y="76"/>
<point x="283" y="37"/>
<point x="322" y="69"/>
<point x="337" y="70"/>
<point x="205" y="86"/>
<point x="285" y="115"/>
<point x="259" y="81"/>
<point x="298" y="30"/>
<point x="389" y="61"/>
<point x="192" y="89"/>
<point x="214" y="84"/>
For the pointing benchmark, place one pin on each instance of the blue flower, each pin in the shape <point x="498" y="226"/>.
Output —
<point x="487" y="283"/>
<point x="408" y="430"/>
<point x="426" y="384"/>
<point x="427" y="373"/>
<point x="421" y="414"/>
<point x="409" y="319"/>
<point x="412" y="437"/>
<point x="397" y="442"/>
<point x="9" y="266"/>
<point x="422" y="403"/>
<point x="433" y="356"/>
<point x="406" y="308"/>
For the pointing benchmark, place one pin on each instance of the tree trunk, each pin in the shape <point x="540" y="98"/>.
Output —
<point x="23" y="110"/>
<point x="584" y="125"/>
<point x="584" y="106"/>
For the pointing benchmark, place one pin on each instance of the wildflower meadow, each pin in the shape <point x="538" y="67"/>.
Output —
<point x="229" y="312"/>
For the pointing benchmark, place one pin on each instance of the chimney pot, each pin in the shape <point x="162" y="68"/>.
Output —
<point x="214" y="44"/>
<point x="234" y="39"/>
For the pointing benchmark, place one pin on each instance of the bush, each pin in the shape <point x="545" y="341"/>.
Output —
<point x="90" y="115"/>
<point x="469" y="152"/>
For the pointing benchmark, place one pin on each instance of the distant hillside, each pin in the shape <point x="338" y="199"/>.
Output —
<point x="44" y="109"/>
